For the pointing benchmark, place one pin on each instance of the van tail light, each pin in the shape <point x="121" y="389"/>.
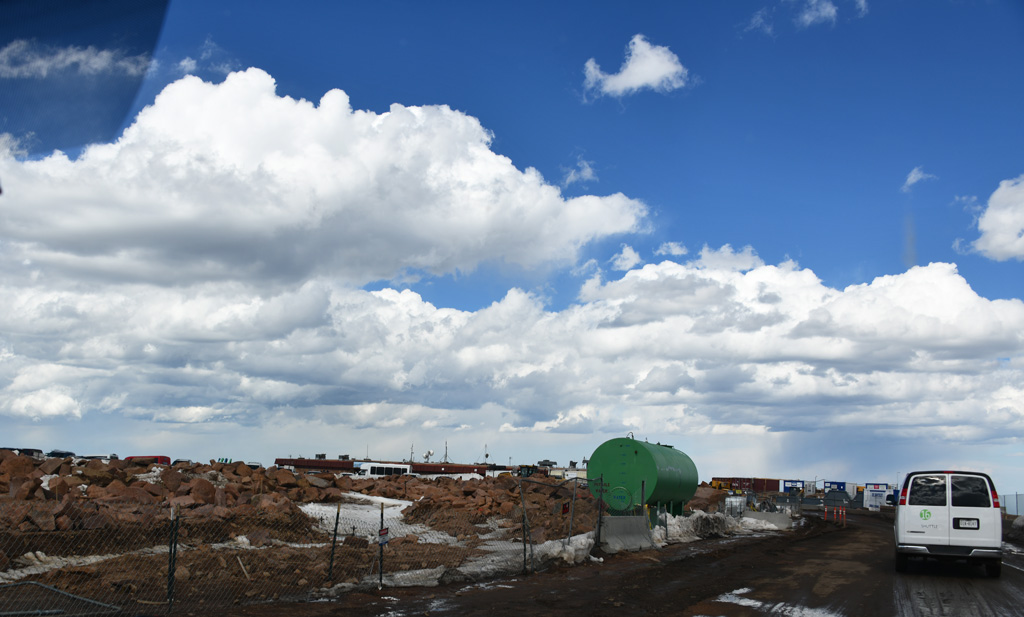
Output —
<point x="903" y="496"/>
<point x="995" y="499"/>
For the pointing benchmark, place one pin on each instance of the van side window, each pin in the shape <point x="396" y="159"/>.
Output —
<point x="970" y="492"/>
<point x="928" y="491"/>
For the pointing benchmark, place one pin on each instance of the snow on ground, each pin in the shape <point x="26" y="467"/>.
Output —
<point x="682" y="529"/>
<point x="39" y="562"/>
<point x="772" y="608"/>
<point x="753" y="524"/>
<point x="152" y="476"/>
<point x="575" y="550"/>
<point x="364" y="519"/>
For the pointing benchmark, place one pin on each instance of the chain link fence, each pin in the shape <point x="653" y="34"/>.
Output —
<point x="1012" y="503"/>
<point x="117" y="557"/>
<point x="89" y="557"/>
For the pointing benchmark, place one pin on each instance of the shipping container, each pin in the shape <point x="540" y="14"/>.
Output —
<point x="766" y="485"/>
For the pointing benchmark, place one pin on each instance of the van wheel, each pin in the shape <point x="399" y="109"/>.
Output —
<point x="994" y="568"/>
<point x="901" y="562"/>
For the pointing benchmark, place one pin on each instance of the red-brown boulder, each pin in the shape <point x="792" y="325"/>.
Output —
<point x="26" y="489"/>
<point x="115" y="490"/>
<point x="284" y="478"/>
<point x="171" y="479"/>
<point x="203" y="491"/>
<point x="155" y="490"/>
<point x="134" y="494"/>
<point x="18" y="466"/>
<point x="60" y="487"/>
<point x="42" y="517"/>
<point x="243" y="470"/>
<point x="182" y="501"/>
<point x="97" y="475"/>
<point x="51" y="465"/>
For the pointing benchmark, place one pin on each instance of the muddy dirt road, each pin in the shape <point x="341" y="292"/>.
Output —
<point x="820" y="571"/>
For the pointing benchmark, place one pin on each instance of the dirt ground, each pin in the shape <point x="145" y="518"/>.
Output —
<point x="820" y="570"/>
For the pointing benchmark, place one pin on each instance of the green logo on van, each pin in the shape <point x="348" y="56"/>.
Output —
<point x="925" y="515"/>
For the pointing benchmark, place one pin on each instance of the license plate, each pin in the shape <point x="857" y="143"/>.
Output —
<point x="965" y="523"/>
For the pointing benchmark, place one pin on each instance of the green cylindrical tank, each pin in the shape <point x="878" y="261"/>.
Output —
<point x="627" y="473"/>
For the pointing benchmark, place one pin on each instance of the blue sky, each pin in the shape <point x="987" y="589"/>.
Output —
<point x="750" y="229"/>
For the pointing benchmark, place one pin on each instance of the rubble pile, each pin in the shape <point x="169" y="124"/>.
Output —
<point x="707" y="499"/>
<point x="63" y="494"/>
<point x="462" y="506"/>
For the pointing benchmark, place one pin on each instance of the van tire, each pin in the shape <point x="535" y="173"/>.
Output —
<point x="901" y="562"/>
<point x="994" y="568"/>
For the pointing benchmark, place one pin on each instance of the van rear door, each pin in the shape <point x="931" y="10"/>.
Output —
<point x="973" y="520"/>
<point x="925" y="519"/>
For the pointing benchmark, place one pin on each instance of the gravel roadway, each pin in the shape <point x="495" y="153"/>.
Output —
<point x="818" y="571"/>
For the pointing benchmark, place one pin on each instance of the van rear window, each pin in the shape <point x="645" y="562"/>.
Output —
<point x="970" y="492"/>
<point x="928" y="491"/>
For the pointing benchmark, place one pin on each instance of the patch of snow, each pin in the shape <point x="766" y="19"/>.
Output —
<point x="38" y="562"/>
<point x="573" y="551"/>
<point x="152" y="477"/>
<point x="683" y="529"/>
<point x="773" y="608"/>
<point x="754" y="524"/>
<point x="364" y="519"/>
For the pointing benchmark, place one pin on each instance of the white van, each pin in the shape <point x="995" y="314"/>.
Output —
<point x="949" y="515"/>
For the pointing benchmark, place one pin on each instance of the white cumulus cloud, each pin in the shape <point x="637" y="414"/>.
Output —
<point x="1002" y="223"/>
<point x="233" y="181"/>
<point x="671" y="248"/>
<point x="627" y="259"/>
<point x="647" y="66"/>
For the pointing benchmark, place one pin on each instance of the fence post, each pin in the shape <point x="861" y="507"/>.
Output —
<point x="600" y="506"/>
<point x="526" y="530"/>
<point x="572" y="508"/>
<point x="523" y="526"/>
<point x="334" y="542"/>
<point x="643" y="497"/>
<point x="172" y="556"/>
<point x="380" y="580"/>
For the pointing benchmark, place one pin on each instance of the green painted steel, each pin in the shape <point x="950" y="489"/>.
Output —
<point x="640" y="473"/>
